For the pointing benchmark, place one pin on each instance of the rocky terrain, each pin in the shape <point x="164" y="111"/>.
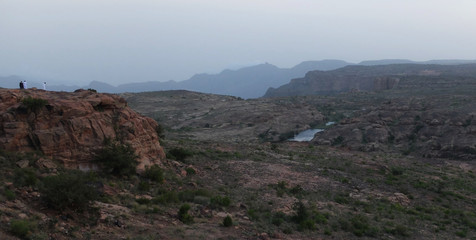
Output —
<point x="218" y="117"/>
<point x="71" y="127"/>
<point x="439" y="126"/>
<point x="397" y="164"/>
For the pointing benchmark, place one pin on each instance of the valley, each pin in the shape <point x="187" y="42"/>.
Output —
<point x="397" y="164"/>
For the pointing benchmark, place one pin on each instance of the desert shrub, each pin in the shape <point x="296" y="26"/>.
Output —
<point x="338" y="140"/>
<point x="70" y="190"/>
<point x="189" y="195"/>
<point x="117" y="158"/>
<point x="25" y="177"/>
<point x="166" y="197"/>
<point x="227" y="221"/>
<point x="179" y="154"/>
<point x="20" y="228"/>
<point x="252" y="214"/>
<point x="9" y="194"/>
<point x="143" y="186"/>
<point x="34" y="104"/>
<point x="360" y="226"/>
<point x="399" y="230"/>
<point x="201" y="200"/>
<point x="92" y="90"/>
<point x="183" y="214"/>
<point x="301" y="212"/>
<point x="397" y="170"/>
<point x="160" y="131"/>
<point x="154" y="173"/>
<point x="278" y="218"/>
<point x="190" y="171"/>
<point x="143" y="200"/>
<point x="296" y="190"/>
<point x="307" y="218"/>
<point x="220" y="201"/>
<point x="307" y="224"/>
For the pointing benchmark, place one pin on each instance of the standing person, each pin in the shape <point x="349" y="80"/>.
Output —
<point x="44" y="85"/>
<point x="24" y="84"/>
<point x="21" y="85"/>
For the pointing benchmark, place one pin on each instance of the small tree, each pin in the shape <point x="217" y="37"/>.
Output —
<point x="154" y="173"/>
<point x="117" y="159"/>
<point x="70" y="190"/>
<point x="183" y="214"/>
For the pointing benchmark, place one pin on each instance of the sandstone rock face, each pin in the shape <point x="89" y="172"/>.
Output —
<point x="71" y="127"/>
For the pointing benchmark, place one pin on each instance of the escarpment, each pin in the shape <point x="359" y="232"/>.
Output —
<point x="72" y="127"/>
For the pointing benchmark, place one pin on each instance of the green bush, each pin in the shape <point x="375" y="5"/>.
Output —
<point x="9" y="194"/>
<point x="143" y="186"/>
<point x="227" y="221"/>
<point x="20" y="228"/>
<point x="166" y="197"/>
<point x="25" y="177"/>
<point x="190" y="171"/>
<point x="154" y="173"/>
<point x="189" y="195"/>
<point x="70" y="190"/>
<point x="278" y="218"/>
<point x="183" y="214"/>
<point x="34" y="104"/>
<point x="117" y="158"/>
<point x="220" y="201"/>
<point x="142" y="200"/>
<point x="338" y="140"/>
<point x="179" y="154"/>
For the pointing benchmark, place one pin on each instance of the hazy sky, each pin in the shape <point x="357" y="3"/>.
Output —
<point x="118" y="41"/>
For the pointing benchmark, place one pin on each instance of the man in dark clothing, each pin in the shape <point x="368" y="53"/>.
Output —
<point x="21" y="85"/>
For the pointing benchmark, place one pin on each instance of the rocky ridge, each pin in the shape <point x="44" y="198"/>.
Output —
<point x="377" y="78"/>
<point x="71" y="127"/>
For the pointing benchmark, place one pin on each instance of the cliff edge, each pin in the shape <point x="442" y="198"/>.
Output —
<point x="71" y="127"/>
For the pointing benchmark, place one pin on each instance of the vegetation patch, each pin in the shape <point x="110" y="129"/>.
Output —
<point x="69" y="190"/>
<point x="34" y="104"/>
<point x="117" y="158"/>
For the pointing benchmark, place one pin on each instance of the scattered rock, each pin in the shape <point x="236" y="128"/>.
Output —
<point x="23" y="163"/>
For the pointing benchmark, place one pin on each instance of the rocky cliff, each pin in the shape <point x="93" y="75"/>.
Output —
<point x="71" y="127"/>
<point x="376" y="78"/>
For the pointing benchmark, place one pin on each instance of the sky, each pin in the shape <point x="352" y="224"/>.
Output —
<point x="123" y="41"/>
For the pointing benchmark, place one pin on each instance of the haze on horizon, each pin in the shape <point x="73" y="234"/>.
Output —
<point x="119" y="41"/>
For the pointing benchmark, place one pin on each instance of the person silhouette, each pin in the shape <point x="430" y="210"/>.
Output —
<point x="44" y="85"/>
<point x="21" y="85"/>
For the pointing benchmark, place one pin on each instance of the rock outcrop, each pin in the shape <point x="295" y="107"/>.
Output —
<point x="377" y="78"/>
<point x="71" y="127"/>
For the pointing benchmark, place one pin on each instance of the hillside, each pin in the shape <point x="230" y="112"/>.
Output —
<point x="396" y="164"/>
<point x="381" y="77"/>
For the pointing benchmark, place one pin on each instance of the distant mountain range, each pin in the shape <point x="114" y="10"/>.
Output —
<point x="248" y="82"/>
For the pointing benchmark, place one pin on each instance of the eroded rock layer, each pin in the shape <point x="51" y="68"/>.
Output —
<point x="71" y="127"/>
